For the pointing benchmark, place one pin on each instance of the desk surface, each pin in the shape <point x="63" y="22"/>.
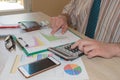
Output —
<point x="97" y="68"/>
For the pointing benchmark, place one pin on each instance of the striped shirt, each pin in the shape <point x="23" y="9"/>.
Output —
<point x="108" y="25"/>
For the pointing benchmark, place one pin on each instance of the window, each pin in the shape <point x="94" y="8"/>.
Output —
<point x="14" y="6"/>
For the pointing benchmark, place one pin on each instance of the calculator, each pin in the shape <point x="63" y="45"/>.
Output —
<point x="66" y="52"/>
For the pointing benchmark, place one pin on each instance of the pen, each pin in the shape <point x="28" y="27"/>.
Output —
<point x="10" y="26"/>
<point x="22" y="42"/>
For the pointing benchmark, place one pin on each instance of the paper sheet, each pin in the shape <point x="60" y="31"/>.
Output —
<point x="68" y="70"/>
<point x="3" y="56"/>
<point x="3" y="60"/>
<point x="39" y="40"/>
<point x="42" y="39"/>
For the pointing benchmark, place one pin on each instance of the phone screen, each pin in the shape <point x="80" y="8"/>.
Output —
<point x="38" y="66"/>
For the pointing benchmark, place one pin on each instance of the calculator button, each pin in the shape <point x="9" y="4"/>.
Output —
<point x="63" y="51"/>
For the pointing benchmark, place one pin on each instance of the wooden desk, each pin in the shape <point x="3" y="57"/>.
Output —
<point x="97" y="68"/>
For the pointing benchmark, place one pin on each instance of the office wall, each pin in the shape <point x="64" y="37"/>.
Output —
<point x="50" y="7"/>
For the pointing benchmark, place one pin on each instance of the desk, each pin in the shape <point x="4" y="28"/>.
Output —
<point x="97" y="68"/>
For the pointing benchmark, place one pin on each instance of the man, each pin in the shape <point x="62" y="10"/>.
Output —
<point x="106" y="41"/>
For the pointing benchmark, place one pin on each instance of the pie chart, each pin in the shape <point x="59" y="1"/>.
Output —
<point x="72" y="69"/>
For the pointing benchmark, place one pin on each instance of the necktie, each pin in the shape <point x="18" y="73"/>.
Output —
<point x="93" y="18"/>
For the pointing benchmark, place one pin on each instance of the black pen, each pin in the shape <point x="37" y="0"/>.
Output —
<point x="22" y="42"/>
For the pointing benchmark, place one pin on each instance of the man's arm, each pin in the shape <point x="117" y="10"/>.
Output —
<point x="93" y="48"/>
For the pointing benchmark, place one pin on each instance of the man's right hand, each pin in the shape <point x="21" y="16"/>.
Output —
<point x="59" y="22"/>
<point x="93" y="48"/>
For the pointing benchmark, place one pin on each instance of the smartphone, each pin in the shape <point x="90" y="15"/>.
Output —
<point x="39" y="66"/>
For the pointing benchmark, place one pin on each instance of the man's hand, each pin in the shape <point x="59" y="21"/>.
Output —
<point x="93" y="48"/>
<point x="59" y="22"/>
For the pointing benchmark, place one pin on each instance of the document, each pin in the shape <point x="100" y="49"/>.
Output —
<point x="3" y="59"/>
<point x="68" y="70"/>
<point x="7" y="67"/>
<point x="39" y="40"/>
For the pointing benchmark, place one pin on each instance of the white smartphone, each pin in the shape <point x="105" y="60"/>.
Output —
<point x="39" y="66"/>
